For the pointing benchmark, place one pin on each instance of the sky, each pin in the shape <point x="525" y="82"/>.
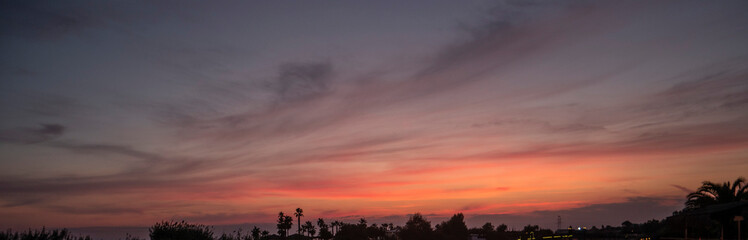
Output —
<point x="124" y="113"/>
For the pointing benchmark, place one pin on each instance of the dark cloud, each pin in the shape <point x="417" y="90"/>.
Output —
<point x="719" y="87"/>
<point x="345" y="151"/>
<point x="112" y="149"/>
<point x="713" y="79"/>
<point x="232" y="217"/>
<point x="26" y="135"/>
<point x="17" y="191"/>
<point x="682" y="188"/>
<point x="311" y="103"/>
<point x="500" y="31"/>
<point x="299" y="81"/>
<point x="19" y="108"/>
<point x="471" y="207"/>
<point x="692" y="137"/>
<point x="539" y="124"/>
<point x="21" y="202"/>
<point x="150" y="163"/>
<point x="269" y="108"/>
<point x="51" y="129"/>
<point x="576" y="127"/>
<point x="94" y="210"/>
<point x="666" y="140"/>
<point x="153" y="173"/>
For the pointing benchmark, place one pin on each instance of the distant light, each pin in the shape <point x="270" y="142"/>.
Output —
<point x="579" y="228"/>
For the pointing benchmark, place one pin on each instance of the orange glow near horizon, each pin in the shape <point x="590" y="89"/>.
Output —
<point x="228" y="113"/>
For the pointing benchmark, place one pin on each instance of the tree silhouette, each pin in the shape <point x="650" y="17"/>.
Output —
<point x="289" y="223"/>
<point x="280" y="225"/>
<point x="336" y="227"/>
<point x="627" y="226"/>
<point x="417" y="228"/>
<point x="44" y="234"/>
<point x="502" y="228"/>
<point x="531" y="228"/>
<point x="299" y="213"/>
<point x="455" y="228"/>
<point x="180" y="230"/>
<point x="324" y="229"/>
<point x="375" y="231"/>
<point x="284" y="224"/>
<point x="530" y="231"/>
<point x="309" y="228"/>
<point x="238" y="236"/>
<point x="487" y="229"/>
<point x="256" y="233"/>
<point x="351" y="232"/>
<point x="711" y="193"/>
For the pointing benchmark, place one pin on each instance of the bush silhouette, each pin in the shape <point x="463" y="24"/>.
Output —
<point x="180" y="231"/>
<point x="43" y="234"/>
<point x="417" y="228"/>
<point x="455" y="228"/>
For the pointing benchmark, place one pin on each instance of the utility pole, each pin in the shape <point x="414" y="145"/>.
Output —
<point x="558" y="223"/>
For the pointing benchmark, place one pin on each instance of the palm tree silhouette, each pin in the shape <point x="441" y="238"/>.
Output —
<point x="713" y="193"/>
<point x="299" y="213"/>
<point x="335" y="226"/>
<point x="310" y="229"/>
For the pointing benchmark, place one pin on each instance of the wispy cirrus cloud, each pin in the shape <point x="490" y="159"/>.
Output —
<point x="27" y="135"/>
<point x="499" y="119"/>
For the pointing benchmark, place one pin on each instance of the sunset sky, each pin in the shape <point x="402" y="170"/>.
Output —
<point x="124" y="113"/>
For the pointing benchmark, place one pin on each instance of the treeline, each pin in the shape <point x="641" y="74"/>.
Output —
<point x="44" y="234"/>
<point x="416" y="228"/>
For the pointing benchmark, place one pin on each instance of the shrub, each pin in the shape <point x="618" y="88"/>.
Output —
<point x="44" y="234"/>
<point x="180" y="231"/>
